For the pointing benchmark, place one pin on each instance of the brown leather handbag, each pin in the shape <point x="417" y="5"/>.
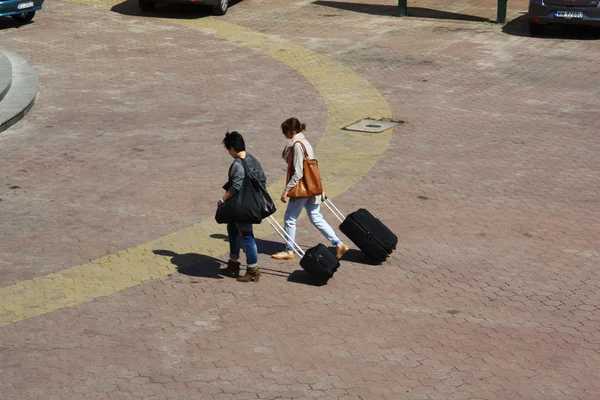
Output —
<point x="310" y="185"/>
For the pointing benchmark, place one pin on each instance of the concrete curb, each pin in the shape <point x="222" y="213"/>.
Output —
<point x="21" y="93"/>
<point x="5" y="75"/>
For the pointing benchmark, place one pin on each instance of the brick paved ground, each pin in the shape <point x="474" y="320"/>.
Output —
<point x="491" y="184"/>
<point x="126" y="136"/>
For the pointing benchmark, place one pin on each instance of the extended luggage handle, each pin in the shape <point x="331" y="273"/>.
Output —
<point x="334" y="210"/>
<point x="277" y="227"/>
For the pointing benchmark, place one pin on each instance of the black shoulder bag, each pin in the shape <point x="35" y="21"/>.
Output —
<point x="249" y="205"/>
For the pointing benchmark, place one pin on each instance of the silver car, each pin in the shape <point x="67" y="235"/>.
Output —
<point x="577" y="12"/>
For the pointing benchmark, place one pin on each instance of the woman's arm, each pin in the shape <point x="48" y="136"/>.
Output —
<point x="236" y="178"/>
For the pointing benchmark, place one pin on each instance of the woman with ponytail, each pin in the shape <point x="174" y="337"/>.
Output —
<point x="293" y="154"/>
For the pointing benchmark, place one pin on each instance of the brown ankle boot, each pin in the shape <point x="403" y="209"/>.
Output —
<point x="232" y="270"/>
<point x="252" y="274"/>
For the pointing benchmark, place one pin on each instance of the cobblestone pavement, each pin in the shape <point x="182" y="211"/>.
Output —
<point x="491" y="184"/>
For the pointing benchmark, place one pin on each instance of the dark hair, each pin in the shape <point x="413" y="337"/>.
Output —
<point x="292" y="124"/>
<point x="234" y="140"/>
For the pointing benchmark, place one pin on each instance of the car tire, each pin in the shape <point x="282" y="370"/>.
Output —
<point x="221" y="7"/>
<point x="535" y="29"/>
<point x="24" y="17"/>
<point x="146" y="5"/>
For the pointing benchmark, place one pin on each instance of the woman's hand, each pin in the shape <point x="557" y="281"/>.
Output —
<point x="225" y="197"/>
<point x="284" y="196"/>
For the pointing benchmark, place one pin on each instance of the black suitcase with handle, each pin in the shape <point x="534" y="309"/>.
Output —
<point x="320" y="263"/>
<point x="368" y="233"/>
<point x="317" y="261"/>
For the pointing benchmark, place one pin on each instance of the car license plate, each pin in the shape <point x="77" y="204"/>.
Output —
<point x="27" y="4"/>
<point x="569" y="14"/>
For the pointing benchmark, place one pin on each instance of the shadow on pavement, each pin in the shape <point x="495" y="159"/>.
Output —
<point x="520" y="27"/>
<point x="269" y="247"/>
<point x="167" y="10"/>
<point x="358" y="257"/>
<point x="392" y="10"/>
<point x="301" y="276"/>
<point x="193" y="264"/>
<point x="203" y="266"/>
<point x="8" y="22"/>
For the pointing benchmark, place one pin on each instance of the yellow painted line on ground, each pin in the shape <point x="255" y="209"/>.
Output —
<point x="344" y="157"/>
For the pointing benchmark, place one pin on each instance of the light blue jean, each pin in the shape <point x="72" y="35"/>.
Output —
<point x="239" y="233"/>
<point x="292" y="212"/>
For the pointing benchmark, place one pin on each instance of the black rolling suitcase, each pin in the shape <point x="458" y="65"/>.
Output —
<point x="318" y="261"/>
<point x="367" y="232"/>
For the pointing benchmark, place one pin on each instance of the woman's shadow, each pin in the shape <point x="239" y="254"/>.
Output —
<point x="194" y="264"/>
<point x="203" y="266"/>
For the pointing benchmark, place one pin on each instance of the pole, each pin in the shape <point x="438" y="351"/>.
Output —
<point x="501" y="16"/>
<point x="402" y="8"/>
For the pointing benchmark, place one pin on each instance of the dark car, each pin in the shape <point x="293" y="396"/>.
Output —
<point x="577" y="12"/>
<point x="20" y="10"/>
<point x="219" y="7"/>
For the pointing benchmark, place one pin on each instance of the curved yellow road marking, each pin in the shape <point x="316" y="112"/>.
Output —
<point x="344" y="158"/>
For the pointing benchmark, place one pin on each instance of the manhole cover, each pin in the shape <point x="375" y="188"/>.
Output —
<point x="372" y="125"/>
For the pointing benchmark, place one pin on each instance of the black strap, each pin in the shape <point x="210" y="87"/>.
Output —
<point x="250" y="174"/>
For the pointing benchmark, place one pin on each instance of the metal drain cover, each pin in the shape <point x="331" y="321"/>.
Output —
<point x="372" y="125"/>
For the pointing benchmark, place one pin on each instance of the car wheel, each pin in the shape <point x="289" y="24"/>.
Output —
<point x="24" y="17"/>
<point x="146" y="5"/>
<point x="221" y="7"/>
<point x="535" y="29"/>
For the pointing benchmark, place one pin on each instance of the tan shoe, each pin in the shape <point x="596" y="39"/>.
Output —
<point x="341" y="250"/>
<point x="283" y="255"/>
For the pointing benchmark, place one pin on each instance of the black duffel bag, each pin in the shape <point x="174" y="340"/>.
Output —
<point x="249" y="205"/>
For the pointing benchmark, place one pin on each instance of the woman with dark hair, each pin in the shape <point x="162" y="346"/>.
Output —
<point x="237" y="232"/>
<point x="293" y="154"/>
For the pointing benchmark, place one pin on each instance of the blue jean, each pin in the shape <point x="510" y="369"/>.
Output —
<point x="239" y="233"/>
<point x="292" y="212"/>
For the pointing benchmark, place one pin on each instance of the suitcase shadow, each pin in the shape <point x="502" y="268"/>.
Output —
<point x="358" y="257"/>
<point x="301" y="276"/>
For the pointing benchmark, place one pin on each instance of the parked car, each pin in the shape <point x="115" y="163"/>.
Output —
<point x="219" y="7"/>
<point x="579" y="12"/>
<point x="20" y="10"/>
